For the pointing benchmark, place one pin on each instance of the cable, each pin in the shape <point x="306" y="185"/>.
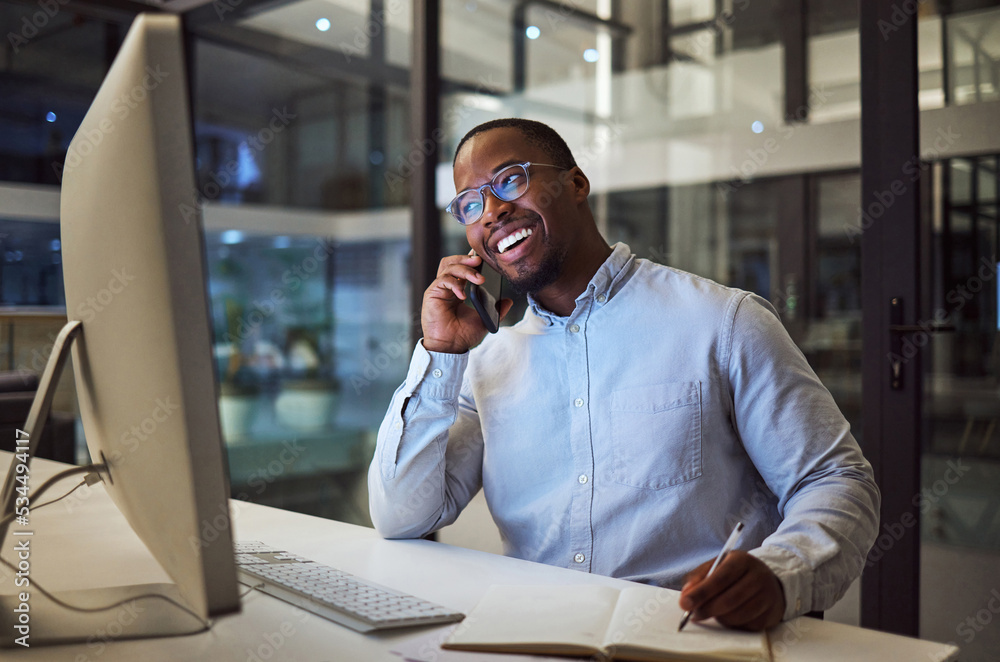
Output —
<point x="52" y="481"/>
<point x="49" y="503"/>
<point x="91" y="610"/>
<point x="88" y="610"/>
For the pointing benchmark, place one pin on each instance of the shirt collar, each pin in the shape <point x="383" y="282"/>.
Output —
<point x="601" y="285"/>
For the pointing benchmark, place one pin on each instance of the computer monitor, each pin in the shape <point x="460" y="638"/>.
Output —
<point x="134" y="271"/>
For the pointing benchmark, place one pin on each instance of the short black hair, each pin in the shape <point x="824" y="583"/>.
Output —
<point x="541" y="135"/>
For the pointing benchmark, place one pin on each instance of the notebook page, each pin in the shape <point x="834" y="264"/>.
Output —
<point x="551" y="614"/>
<point x="647" y="617"/>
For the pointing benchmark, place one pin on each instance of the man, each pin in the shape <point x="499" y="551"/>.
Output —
<point x="630" y="419"/>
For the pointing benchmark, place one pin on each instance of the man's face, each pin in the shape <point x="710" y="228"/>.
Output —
<point x="547" y="209"/>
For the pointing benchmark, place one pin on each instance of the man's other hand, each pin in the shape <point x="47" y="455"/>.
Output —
<point x="742" y="593"/>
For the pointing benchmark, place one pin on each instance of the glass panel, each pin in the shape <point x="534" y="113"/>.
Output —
<point x="308" y="244"/>
<point x="564" y="50"/>
<point x="969" y="45"/>
<point x="753" y="238"/>
<point x="835" y="68"/>
<point x="834" y="337"/>
<point x="960" y="478"/>
<point x="698" y="46"/>
<point x="831" y="339"/>
<point x="337" y="25"/>
<point x="30" y="264"/>
<point x="691" y="11"/>
<point x="51" y="69"/>
<point x="477" y="43"/>
<point x="974" y="56"/>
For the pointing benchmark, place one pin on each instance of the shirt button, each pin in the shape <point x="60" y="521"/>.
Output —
<point x="601" y="298"/>
<point x="582" y="479"/>
<point x="578" y="402"/>
<point x="437" y="372"/>
<point x="397" y="425"/>
<point x="579" y="558"/>
<point x="575" y="328"/>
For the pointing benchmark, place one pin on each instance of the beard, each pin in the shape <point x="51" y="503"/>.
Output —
<point x="529" y="281"/>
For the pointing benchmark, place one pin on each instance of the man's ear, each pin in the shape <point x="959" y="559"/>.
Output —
<point x="581" y="185"/>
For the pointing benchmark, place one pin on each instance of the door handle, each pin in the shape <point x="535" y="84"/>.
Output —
<point x="897" y="331"/>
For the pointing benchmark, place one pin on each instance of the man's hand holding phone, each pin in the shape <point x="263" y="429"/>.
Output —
<point x="449" y="325"/>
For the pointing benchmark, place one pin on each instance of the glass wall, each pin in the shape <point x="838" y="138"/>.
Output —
<point x="299" y="110"/>
<point x="52" y="64"/>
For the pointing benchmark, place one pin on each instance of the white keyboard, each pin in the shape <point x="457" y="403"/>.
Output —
<point x="338" y="596"/>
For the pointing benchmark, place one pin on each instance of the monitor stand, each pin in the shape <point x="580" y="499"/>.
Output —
<point x="37" y="415"/>
<point x="146" y="609"/>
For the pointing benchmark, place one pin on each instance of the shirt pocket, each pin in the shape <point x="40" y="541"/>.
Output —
<point x="656" y="434"/>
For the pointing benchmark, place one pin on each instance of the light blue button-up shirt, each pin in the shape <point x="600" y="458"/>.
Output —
<point x="628" y="438"/>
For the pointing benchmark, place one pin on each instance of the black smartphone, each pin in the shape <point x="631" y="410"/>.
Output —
<point x="486" y="297"/>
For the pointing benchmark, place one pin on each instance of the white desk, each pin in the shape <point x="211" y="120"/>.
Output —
<point x="84" y="542"/>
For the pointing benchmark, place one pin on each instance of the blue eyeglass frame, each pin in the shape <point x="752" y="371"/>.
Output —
<point x="482" y="199"/>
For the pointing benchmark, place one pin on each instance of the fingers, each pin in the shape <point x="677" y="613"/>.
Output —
<point x="461" y="266"/>
<point x="742" y="593"/>
<point x="699" y="589"/>
<point x="453" y="272"/>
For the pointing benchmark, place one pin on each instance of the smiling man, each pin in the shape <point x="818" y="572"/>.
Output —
<point x="629" y="420"/>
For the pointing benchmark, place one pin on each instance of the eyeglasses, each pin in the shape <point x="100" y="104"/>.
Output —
<point x="508" y="184"/>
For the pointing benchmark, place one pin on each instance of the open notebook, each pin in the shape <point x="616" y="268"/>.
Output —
<point x="637" y="623"/>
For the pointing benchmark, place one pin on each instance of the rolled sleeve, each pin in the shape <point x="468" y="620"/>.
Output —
<point x="803" y="448"/>
<point x="415" y="483"/>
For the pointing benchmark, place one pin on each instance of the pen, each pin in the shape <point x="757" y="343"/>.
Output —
<point x="728" y="547"/>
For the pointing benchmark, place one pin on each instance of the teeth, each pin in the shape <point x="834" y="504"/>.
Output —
<point x="506" y="242"/>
